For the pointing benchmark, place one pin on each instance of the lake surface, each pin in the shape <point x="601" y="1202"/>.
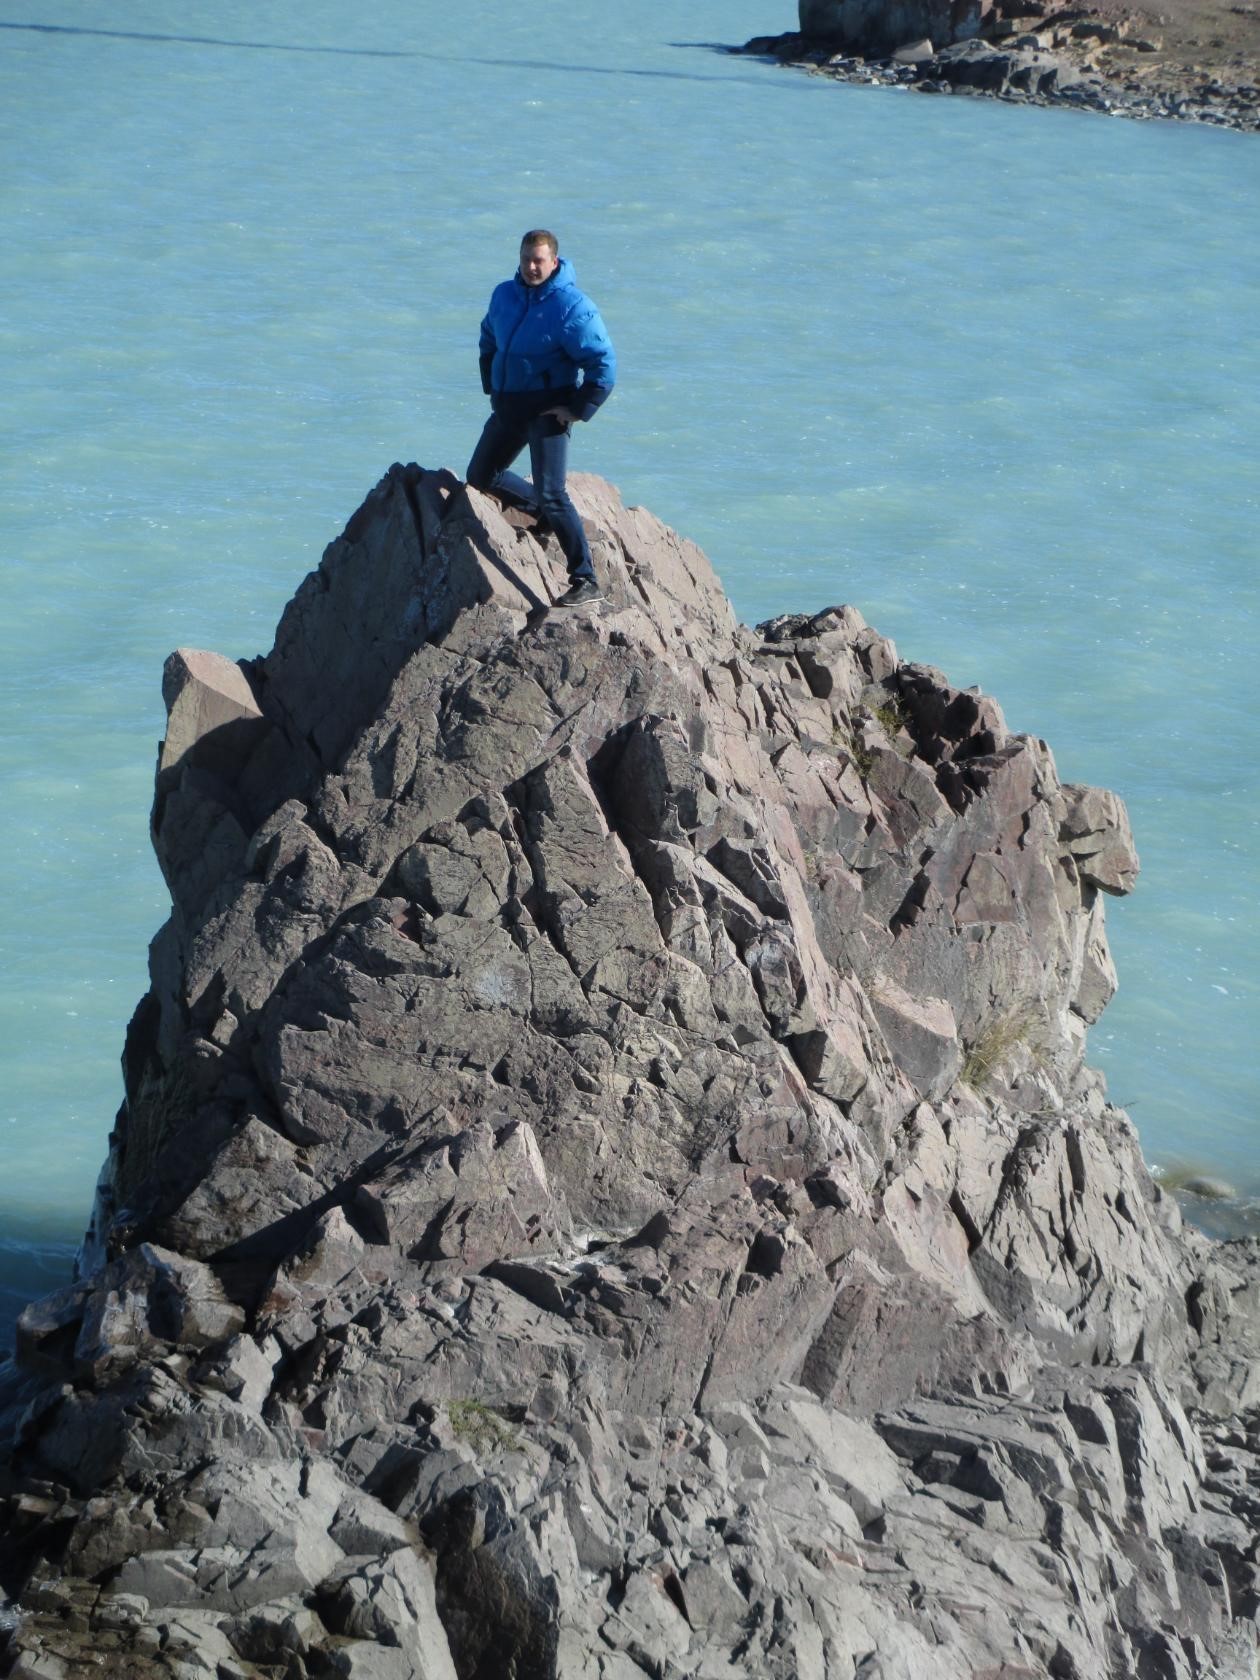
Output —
<point x="990" y="374"/>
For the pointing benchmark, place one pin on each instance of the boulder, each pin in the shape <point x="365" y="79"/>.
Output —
<point x="984" y="68"/>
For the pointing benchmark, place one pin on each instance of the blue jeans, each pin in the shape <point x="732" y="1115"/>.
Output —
<point x="499" y="445"/>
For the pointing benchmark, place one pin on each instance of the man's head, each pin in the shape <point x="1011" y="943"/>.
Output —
<point x="540" y="256"/>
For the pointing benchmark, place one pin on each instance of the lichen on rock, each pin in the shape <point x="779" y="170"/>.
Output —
<point x="609" y="1181"/>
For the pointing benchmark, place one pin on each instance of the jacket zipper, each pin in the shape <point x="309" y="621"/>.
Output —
<point x="528" y="301"/>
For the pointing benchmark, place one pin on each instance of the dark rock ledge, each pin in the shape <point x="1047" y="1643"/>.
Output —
<point x="609" y="1184"/>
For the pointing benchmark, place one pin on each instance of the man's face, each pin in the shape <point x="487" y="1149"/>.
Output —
<point x="538" y="263"/>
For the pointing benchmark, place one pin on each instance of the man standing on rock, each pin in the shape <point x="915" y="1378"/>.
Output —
<point x="546" y="361"/>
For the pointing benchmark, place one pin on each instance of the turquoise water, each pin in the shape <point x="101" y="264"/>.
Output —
<point x="990" y="374"/>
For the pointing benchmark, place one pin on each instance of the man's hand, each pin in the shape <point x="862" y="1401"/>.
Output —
<point x="565" y="416"/>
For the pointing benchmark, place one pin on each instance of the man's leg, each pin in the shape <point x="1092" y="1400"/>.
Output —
<point x="549" y="460"/>
<point x="497" y="447"/>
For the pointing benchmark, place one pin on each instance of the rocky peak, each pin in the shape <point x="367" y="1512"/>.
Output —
<point x="609" y="1180"/>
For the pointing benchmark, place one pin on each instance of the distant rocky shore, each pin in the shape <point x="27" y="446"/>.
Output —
<point x="610" y="1184"/>
<point x="1117" y="62"/>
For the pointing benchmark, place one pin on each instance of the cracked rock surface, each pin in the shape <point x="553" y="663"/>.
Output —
<point x="609" y="1182"/>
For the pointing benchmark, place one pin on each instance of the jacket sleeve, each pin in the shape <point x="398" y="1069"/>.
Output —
<point x="486" y="352"/>
<point x="587" y="343"/>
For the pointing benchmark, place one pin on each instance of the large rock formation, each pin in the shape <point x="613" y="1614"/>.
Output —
<point x="609" y="1184"/>
<point x="874" y="26"/>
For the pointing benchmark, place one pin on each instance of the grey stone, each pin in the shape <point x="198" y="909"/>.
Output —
<point x="244" y="1370"/>
<point x="914" y="52"/>
<point x="194" y="1639"/>
<point x="45" y="1325"/>
<point x="922" y="1037"/>
<point x="361" y="1660"/>
<point x="1095" y="829"/>
<point x="848" y="1452"/>
<point x="207" y="699"/>
<point x="391" y="1604"/>
<point x="37" y="1665"/>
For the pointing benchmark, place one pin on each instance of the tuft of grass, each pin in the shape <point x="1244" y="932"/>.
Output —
<point x="863" y="756"/>
<point x="480" y="1427"/>
<point x="892" y="716"/>
<point x="993" y="1045"/>
<point x="849" y="742"/>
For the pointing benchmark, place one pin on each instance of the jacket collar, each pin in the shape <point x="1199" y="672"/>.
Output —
<point x="562" y="276"/>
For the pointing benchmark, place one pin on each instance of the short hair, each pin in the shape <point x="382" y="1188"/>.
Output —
<point x="541" y="236"/>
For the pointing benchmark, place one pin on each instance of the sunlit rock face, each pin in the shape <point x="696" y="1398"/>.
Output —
<point x="609" y="1180"/>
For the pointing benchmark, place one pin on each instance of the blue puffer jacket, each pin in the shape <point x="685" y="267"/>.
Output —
<point x="545" y="347"/>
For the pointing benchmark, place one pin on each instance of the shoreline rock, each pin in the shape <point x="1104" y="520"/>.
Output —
<point x="609" y="1180"/>
<point x="1025" y="52"/>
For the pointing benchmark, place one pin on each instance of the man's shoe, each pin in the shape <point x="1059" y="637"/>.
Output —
<point x="585" y="589"/>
